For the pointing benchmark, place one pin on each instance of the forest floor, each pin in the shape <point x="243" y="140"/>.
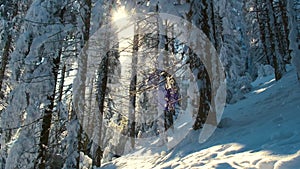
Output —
<point x="261" y="131"/>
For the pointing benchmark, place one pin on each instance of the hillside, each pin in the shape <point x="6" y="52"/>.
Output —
<point x="260" y="131"/>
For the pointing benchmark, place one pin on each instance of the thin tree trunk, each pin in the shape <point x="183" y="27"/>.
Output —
<point x="102" y="86"/>
<point x="7" y="46"/>
<point x="132" y="89"/>
<point x="5" y="58"/>
<point x="213" y="26"/>
<point x="286" y="27"/>
<point x="47" y="117"/>
<point x="61" y="88"/>
<point x="273" y="40"/>
<point x="262" y="33"/>
<point x="79" y="98"/>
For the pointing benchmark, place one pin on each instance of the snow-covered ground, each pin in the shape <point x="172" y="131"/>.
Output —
<point x="262" y="131"/>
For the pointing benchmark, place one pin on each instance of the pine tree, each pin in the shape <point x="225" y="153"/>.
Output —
<point x="8" y="16"/>
<point x="132" y="88"/>
<point x="37" y="81"/>
<point x="294" y="35"/>
<point x="271" y="26"/>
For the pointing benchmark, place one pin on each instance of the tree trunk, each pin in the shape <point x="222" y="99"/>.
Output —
<point x="47" y="117"/>
<point x="132" y="88"/>
<point x="5" y="58"/>
<point x="7" y="46"/>
<point x="101" y="92"/>
<point x="277" y="61"/>
<point x="262" y="32"/>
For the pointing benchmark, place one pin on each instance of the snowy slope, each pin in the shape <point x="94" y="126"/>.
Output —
<point x="261" y="131"/>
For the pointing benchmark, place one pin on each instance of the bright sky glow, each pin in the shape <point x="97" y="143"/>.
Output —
<point x="121" y="19"/>
<point x="119" y="14"/>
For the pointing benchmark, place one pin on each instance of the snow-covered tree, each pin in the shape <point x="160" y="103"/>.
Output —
<point x="47" y="121"/>
<point x="35" y="63"/>
<point x="294" y="35"/>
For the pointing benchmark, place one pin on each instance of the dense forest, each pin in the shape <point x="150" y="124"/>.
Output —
<point x="91" y="79"/>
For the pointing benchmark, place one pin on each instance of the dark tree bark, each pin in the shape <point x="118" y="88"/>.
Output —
<point x="47" y="117"/>
<point x="101" y="92"/>
<point x="80" y="107"/>
<point x="208" y="26"/>
<point x="132" y="89"/>
<point x="8" y="43"/>
<point x="271" y="24"/>
<point x="5" y="59"/>
<point x="261" y="22"/>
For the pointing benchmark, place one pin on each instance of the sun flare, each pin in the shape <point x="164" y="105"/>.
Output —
<point x="119" y="14"/>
